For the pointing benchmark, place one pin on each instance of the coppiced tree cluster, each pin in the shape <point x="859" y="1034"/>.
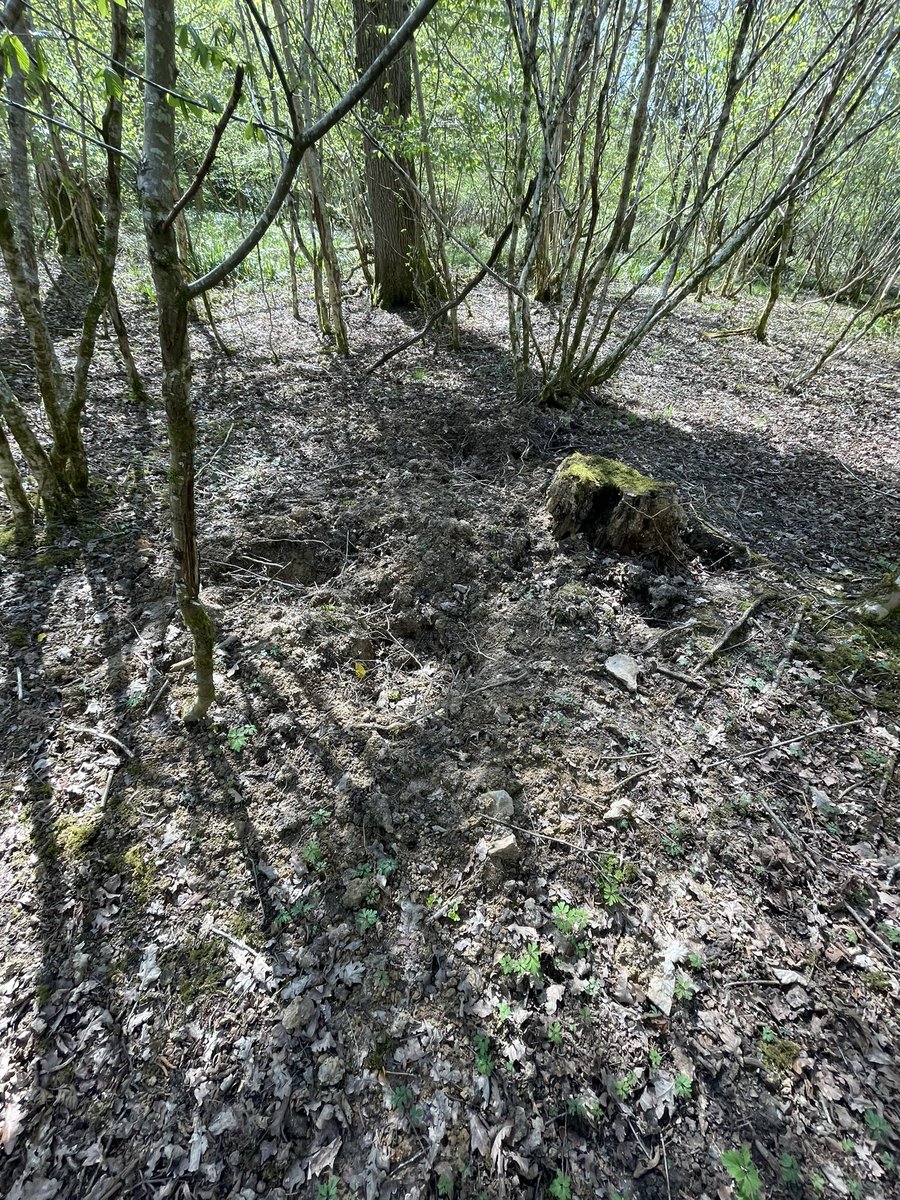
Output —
<point x="599" y="161"/>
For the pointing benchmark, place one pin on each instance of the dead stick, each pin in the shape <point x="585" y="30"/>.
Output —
<point x="105" y="737"/>
<point x="801" y="737"/>
<point x="733" y="629"/>
<point x="690" y="680"/>
<point x="788" y="653"/>
<point x="869" y="931"/>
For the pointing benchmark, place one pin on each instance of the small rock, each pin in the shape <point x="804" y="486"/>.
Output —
<point x="356" y="893"/>
<point x="619" y="810"/>
<point x="298" y="1013"/>
<point x="624" y="668"/>
<point x="331" y="1071"/>
<point x="498" y="804"/>
<point x="505" y="849"/>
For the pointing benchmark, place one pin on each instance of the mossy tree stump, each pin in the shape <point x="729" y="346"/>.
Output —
<point x="615" y="507"/>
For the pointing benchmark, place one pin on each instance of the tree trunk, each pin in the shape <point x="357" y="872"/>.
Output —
<point x="400" y="262"/>
<point x="156" y="183"/>
<point x="781" y="252"/>
<point x="614" y="507"/>
<point x="19" y="504"/>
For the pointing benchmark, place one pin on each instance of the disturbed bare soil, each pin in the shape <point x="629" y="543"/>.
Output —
<point x="434" y="905"/>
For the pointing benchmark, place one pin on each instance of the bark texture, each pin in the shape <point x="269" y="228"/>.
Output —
<point x="617" y="508"/>
<point x="400" y="259"/>
<point x="156" y="183"/>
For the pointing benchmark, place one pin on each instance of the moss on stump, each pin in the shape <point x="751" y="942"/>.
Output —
<point x="615" y="507"/>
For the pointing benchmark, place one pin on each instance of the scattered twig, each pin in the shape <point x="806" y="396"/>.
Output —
<point x="107" y="1192"/>
<point x="153" y="703"/>
<point x="789" y="651"/>
<point x="889" y="770"/>
<point x="800" y="737"/>
<point x="106" y="787"/>
<point x="546" y="837"/>
<point x="105" y="737"/>
<point x="215" y="454"/>
<point x="690" y="680"/>
<point x="501" y="682"/>
<point x="630" y="779"/>
<point x="229" y="937"/>
<point x="19" y="685"/>
<point x="729" y="633"/>
<point x="869" y="931"/>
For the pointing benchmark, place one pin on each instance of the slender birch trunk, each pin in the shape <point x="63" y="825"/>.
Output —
<point x="156" y="184"/>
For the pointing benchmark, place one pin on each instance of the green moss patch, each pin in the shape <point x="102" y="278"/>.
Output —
<point x="607" y="472"/>
<point x="75" y="833"/>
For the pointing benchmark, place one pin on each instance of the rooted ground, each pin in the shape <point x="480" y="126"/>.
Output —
<point x="298" y="951"/>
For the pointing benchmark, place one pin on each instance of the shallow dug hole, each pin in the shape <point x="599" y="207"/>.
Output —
<point x="433" y="905"/>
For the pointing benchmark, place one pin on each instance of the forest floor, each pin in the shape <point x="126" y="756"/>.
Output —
<point x="295" y="952"/>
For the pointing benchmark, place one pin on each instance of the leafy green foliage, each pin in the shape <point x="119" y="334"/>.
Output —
<point x="789" y="1169"/>
<point x="879" y="1127"/>
<point x="740" y="1166"/>
<point x="683" y="1086"/>
<point x="239" y="736"/>
<point x="366" y="918"/>
<point x="484" y="1064"/>
<point x="527" y="964"/>
<point x="560" y="1187"/>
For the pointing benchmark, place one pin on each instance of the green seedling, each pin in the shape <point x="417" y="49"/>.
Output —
<point x="739" y="1165"/>
<point x="484" y="1064"/>
<point x="239" y="736"/>
<point x="528" y="963"/>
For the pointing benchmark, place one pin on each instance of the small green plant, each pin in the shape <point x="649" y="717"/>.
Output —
<point x="239" y="736"/>
<point x="626" y="1085"/>
<point x="570" y="922"/>
<point x="848" y="1145"/>
<point x="696" y="961"/>
<point x="312" y="854"/>
<point x="528" y="963"/>
<point x="555" y="1034"/>
<point x="287" y="915"/>
<point x="891" y="932"/>
<point x="879" y="1127"/>
<point x="386" y="866"/>
<point x="484" y="1064"/>
<point x="326" y="1189"/>
<point x="789" y="1169"/>
<point x="445" y="1185"/>
<point x="561" y="1187"/>
<point x="818" y="1183"/>
<point x="854" y="1187"/>
<point x="321" y="817"/>
<point x="366" y="918"/>
<point x="655" y="1058"/>
<point x="683" y="1086"/>
<point x="739" y="1165"/>
<point x="610" y="880"/>
<point x="575" y="1107"/>
<point x="684" y="989"/>
<point x="402" y="1100"/>
<point x="672" y="841"/>
<point x="504" y="1012"/>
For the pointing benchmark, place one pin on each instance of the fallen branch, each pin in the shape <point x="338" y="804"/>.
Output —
<point x="104" y="737"/>
<point x="801" y="737"/>
<point x="733" y="629"/>
<point x="690" y="680"/>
